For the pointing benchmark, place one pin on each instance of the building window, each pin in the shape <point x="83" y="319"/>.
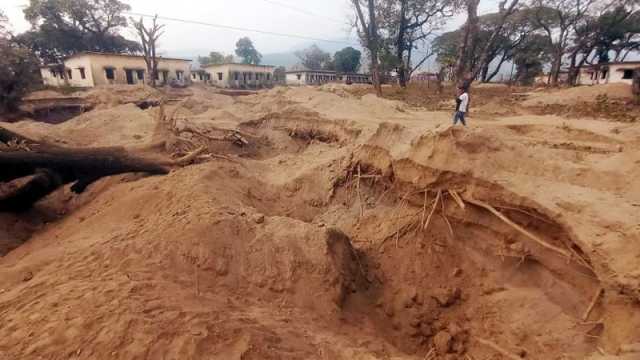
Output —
<point x="249" y="76"/>
<point x="299" y="76"/>
<point x="220" y="76"/>
<point x="110" y="73"/>
<point x="236" y="76"/>
<point x="604" y="74"/>
<point x="268" y="76"/>
<point x="627" y="74"/>
<point x="82" y="73"/>
<point x="69" y="75"/>
<point x="140" y="74"/>
<point x="193" y="76"/>
<point x="179" y="74"/>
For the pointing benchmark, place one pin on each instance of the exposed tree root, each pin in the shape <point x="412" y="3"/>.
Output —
<point x="497" y="348"/>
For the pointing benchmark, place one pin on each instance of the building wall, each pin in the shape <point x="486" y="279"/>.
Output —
<point x="616" y="73"/>
<point x="49" y="79"/>
<point x="319" y="78"/>
<point x="95" y="66"/>
<point x="99" y="64"/>
<point x="295" y="79"/>
<point x="237" y="76"/>
<point x="74" y="65"/>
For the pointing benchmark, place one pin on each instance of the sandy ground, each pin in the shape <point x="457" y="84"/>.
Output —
<point x="336" y="233"/>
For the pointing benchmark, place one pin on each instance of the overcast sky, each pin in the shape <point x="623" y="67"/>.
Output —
<point x="326" y="19"/>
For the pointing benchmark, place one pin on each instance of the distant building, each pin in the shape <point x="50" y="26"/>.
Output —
<point x="545" y="79"/>
<point x="88" y="69"/>
<point x="319" y="77"/>
<point x="240" y="76"/>
<point x="199" y="76"/>
<point x="424" y="77"/>
<point x="615" y="72"/>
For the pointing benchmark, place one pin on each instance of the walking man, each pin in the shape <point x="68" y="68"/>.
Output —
<point x="462" y="103"/>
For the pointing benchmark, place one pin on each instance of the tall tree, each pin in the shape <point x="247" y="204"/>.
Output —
<point x="466" y="70"/>
<point x="64" y="27"/>
<point x="215" y="58"/>
<point x="149" y="37"/>
<point x="408" y="23"/>
<point x="367" y="26"/>
<point x="247" y="52"/>
<point x="530" y="58"/>
<point x="559" y="19"/>
<point x="314" y="58"/>
<point x="18" y="69"/>
<point x="347" y="60"/>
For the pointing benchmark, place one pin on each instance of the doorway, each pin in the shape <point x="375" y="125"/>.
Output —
<point x="129" y="74"/>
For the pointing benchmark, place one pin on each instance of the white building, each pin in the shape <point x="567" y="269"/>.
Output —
<point x="199" y="76"/>
<point x="240" y="76"/>
<point x="618" y="72"/>
<point x="319" y="77"/>
<point x="88" y="69"/>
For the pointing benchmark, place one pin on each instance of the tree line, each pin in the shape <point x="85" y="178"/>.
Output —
<point x="400" y="35"/>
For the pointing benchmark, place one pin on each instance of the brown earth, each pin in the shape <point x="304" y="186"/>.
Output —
<point x="349" y="227"/>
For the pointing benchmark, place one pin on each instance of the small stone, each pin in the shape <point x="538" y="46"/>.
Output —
<point x="442" y="342"/>
<point x="258" y="218"/>
<point x="389" y="310"/>
<point x="426" y="329"/>
<point x="447" y="297"/>
<point x="321" y="225"/>
<point x="27" y="276"/>
<point x="456" y="272"/>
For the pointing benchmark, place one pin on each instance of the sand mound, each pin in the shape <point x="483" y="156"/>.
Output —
<point x="578" y="94"/>
<point x="121" y="125"/>
<point x="345" y="228"/>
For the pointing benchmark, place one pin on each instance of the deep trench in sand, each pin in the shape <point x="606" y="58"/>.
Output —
<point x="409" y="256"/>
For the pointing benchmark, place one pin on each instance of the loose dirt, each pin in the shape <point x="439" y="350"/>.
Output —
<point x="347" y="227"/>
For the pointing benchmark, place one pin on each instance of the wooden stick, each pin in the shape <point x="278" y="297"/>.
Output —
<point x="428" y="355"/>
<point x="517" y="227"/>
<point x="185" y="160"/>
<point x="433" y="209"/>
<point x="444" y="215"/>
<point x="585" y="317"/>
<point x="424" y="208"/>
<point x="359" y="194"/>
<point x="497" y="348"/>
<point x="457" y="198"/>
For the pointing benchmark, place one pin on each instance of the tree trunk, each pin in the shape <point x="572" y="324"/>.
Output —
<point x="400" y="45"/>
<point x="468" y="40"/>
<point x="51" y="166"/>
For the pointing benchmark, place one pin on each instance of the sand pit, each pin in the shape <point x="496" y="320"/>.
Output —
<point x="346" y="227"/>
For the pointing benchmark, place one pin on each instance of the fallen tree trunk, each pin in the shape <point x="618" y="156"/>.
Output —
<point x="51" y="166"/>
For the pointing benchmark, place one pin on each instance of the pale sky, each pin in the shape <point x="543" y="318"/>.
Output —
<point x="326" y="19"/>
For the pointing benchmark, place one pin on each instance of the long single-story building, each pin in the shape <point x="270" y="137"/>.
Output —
<point x="615" y="72"/>
<point x="240" y="76"/>
<point x="88" y="69"/>
<point x="199" y="76"/>
<point x="319" y="77"/>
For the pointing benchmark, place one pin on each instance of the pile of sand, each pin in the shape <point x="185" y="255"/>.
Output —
<point x="121" y="125"/>
<point x="578" y="94"/>
<point x="318" y="243"/>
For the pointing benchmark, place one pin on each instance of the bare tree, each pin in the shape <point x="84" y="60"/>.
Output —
<point x="470" y="29"/>
<point x="367" y="26"/>
<point x="149" y="38"/>
<point x="468" y="66"/>
<point x="558" y="19"/>
<point x="410" y="22"/>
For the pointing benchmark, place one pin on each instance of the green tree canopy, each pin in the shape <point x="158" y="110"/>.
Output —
<point x="347" y="60"/>
<point x="247" y="52"/>
<point x="64" y="27"/>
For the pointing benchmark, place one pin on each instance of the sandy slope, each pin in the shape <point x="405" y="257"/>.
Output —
<point x="244" y="260"/>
